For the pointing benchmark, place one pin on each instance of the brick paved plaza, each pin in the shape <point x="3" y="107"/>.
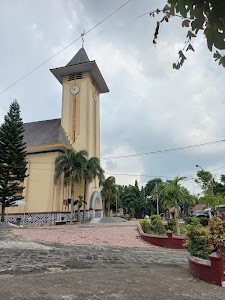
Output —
<point x="105" y="235"/>
<point x="93" y="262"/>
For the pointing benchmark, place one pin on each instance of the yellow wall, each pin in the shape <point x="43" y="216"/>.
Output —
<point x="80" y="113"/>
<point x="40" y="193"/>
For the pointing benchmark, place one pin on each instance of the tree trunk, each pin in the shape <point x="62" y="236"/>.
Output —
<point x="177" y="220"/>
<point x="85" y="193"/>
<point x="78" y="213"/>
<point x="108" y="208"/>
<point x="72" y="202"/>
<point x="3" y="214"/>
<point x="103" y="206"/>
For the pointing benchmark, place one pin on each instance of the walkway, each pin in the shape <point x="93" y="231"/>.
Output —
<point x="47" y="270"/>
<point x="115" y="235"/>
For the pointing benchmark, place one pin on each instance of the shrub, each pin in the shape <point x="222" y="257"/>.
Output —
<point x="198" y="243"/>
<point x="185" y="229"/>
<point x="191" y="220"/>
<point x="217" y="235"/>
<point x="188" y="220"/>
<point x="171" y="225"/>
<point x="204" y="221"/>
<point x="155" y="217"/>
<point x="157" y="227"/>
<point x="145" y="225"/>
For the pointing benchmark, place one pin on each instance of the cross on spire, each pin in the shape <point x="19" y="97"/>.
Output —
<point x="82" y="38"/>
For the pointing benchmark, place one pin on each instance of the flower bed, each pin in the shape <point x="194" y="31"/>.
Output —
<point x="207" y="270"/>
<point x="167" y="241"/>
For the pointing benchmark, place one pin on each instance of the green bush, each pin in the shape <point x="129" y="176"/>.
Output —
<point x="188" y="220"/>
<point x="145" y="225"/>
<point x="157" y="227"/>
<point x="198" y="243"/>
<point x="171" y="225"/>
<point x="185" y="229"/>
<point x="155" y="217"/>
<point x="204" y="221"/>
<point x="191" y="220"/>
<point x="217" y="235"/>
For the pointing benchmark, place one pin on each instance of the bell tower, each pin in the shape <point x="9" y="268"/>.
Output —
<point x="82" y="84"/>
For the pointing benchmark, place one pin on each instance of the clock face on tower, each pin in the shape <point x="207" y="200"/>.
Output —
<point x="74" y="90"/>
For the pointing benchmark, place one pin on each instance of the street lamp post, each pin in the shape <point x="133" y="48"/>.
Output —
<point x="197" y="166"/>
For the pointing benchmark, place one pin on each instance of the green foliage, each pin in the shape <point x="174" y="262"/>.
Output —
<point x="92" y="170"/>
<point x="217" y="233"/>
<point x="145" y="225"/>
<point x="171" y="225"/>
<point x="12" y="157"/>
<point x="157" y="227"/>
<point x="204" y="221"/>
<point x="155" y="217"/>
<point x="133" y="199"/>
<point x="198" y="243"/>
<point x="207" y="16"/>
<point x="191" y="220"/>
<point x="71" y="164"/>
<point x="205" y="179"/>
<point x="152" y="189"/>
<point x="108" y="191"/>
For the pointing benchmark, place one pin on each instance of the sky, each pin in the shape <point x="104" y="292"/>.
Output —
<point x="149" y="107"/>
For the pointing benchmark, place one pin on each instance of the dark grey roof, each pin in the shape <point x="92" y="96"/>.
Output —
<point x="78" y="64"/>
<point x="42" y="133"/>
<point x="79" y="58"/>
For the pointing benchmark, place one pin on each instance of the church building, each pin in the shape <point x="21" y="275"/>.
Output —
<point x="79" y="128"/>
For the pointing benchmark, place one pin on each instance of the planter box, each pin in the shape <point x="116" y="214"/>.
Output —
<point x="163" y="241"/>
<point x="207" y="270"/>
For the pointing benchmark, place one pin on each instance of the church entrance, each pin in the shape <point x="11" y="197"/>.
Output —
<point x="96" y="205"/>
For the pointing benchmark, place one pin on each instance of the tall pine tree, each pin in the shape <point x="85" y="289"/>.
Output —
<point x="12" y="157"/>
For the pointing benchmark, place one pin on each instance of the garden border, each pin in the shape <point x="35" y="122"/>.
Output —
<point x="207" y="270"/>
<point x="168" y="241"/>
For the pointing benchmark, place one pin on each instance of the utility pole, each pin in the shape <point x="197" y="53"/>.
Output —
<point x="157" y="199"/>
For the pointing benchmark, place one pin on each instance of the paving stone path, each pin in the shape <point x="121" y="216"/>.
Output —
<point x="20" y="255"/>
<point x="113" y="235"/>
<point x="35" y="264"/>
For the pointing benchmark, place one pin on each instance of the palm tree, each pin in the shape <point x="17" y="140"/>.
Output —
<point x="72" y="165"/>
<point x="79" y="203"/>
<point x="92" y="170"/>
<point x="171" y="196"/>
<point x="108" y="190"/>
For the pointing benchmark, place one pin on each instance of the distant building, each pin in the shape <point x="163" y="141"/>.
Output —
<point x="79" y="128"/>
<point x="199" y="207"/>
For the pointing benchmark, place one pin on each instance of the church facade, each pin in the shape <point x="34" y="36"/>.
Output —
<point x="79" y="128"/>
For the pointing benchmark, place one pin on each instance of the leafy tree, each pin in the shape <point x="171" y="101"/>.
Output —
<point x="92" y="170"/>
<point x="219" y="188"/>
<point x="207" y="16"/>
<point x="116" y="200"/>
<point x="134" y="199"/>
<point x="151" y="194"/>
<point x="71" y="164"/>
<point x="108" y="190"/>
<point x="172" y="196"/>
<point x="12" y="157"/>
<point x="206" y="181"/>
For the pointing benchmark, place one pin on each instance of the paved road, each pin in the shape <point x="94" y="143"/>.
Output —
<point x="34" y="270"/>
